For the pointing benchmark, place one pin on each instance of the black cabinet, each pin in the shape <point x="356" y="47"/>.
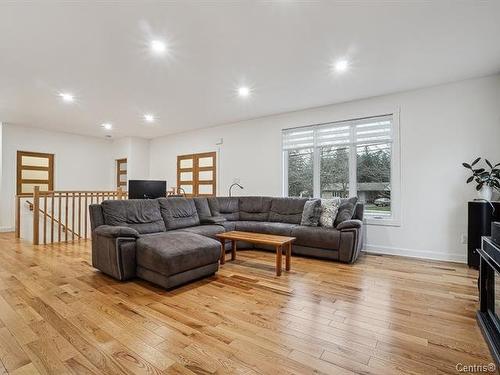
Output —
<point x="481" y="214"/>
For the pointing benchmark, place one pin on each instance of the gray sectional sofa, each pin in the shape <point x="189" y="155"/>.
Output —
<point x="172" y="241"/>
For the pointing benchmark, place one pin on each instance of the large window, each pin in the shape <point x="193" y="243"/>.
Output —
<point x="347" y="158"/>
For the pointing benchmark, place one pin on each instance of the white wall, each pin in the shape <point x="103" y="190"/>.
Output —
<point x="440" y="128"/>
<point x="81" y="163"/>
<point x="138" y="162"/>
<point x="136" y="150"/>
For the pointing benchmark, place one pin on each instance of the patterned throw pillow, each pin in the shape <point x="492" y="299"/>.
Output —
<point x="346" y="209"/>
<point x="311" y="213"/>
<point x="329" y="209"/>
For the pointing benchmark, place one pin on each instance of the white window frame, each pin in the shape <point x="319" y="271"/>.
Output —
<point x="395" y="218"/>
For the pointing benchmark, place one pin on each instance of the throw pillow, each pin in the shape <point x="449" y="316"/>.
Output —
<point x="346" y="209"/>
<point x="329" y="208"/>
<point x="311" y="213"/>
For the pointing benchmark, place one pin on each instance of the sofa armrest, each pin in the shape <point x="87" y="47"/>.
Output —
<point x="114" y="256"/>
<point x="351" y="241"/>
<point x="349" y="224"/>
<point x="212" y="220"/>
<point x="113" y="231"/>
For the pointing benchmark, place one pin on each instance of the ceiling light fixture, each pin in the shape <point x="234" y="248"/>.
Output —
<point x="149" y="117"/>
<point x="243" y="91"/>
<point x="158" y="47"/>
<point x="341" y="66"/>
<point x="107" y="126"/>
<point x="68" y="98"/>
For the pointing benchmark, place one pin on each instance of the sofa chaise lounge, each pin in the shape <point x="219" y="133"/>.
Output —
<point x="172" y="241"/>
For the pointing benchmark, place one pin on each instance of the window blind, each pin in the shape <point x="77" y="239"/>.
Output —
<point x="298" y="138"/>
<point x="373" y="130"/>
<point x="366" y="131"/>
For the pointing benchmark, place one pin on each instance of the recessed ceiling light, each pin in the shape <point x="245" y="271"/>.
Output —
<point x="68" y="98"/>
<point x="243" y="91"/>
<point x="107" y="126"/>
<point x="158" y="47"/>
<point x="341" y="66"/>
<point x="149" y="117"/>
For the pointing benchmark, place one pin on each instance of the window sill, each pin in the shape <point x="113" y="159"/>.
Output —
<point x="389" y="222"/>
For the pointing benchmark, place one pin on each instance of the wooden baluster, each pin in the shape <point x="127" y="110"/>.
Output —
<point x="86" y="207"/>
<point x="79" y="216"/>
<point x="73" y="217"/>
<point x="36" y="215"/>
<point x="66" y="218"/>
<point x="45" y="219"/>
<point x="59" y="219"/>
<point x="52" y="219"/>
<point x="18" y="217"/>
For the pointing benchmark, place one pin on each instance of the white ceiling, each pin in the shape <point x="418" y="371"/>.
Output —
<point x="282" y="49"/>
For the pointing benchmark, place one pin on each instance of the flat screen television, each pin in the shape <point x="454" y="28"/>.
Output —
<point x="146" y="189"/>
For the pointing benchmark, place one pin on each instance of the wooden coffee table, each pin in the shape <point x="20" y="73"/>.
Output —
<point x="260" y="239"/>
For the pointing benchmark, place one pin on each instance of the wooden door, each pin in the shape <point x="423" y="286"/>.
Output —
<point x="121" y="174"/>
<point x="197" y="174"/>
<point x="34" y="169"/>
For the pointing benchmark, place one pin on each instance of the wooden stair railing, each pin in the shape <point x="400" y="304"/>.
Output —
<point x="61" y="216"/>
<point x="51" y="217"/>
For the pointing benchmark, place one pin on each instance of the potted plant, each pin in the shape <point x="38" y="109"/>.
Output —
<point x="486" y="180"/>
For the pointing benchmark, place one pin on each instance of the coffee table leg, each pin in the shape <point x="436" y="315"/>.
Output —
<point x="233" y="250"/>
<point x="288" y="256"/>
<point x="222" y="251"/>
<point x="278" y="260"/>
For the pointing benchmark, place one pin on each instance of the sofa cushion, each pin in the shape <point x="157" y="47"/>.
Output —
<point x="178" y="212"/>
<point x="227" y="206"/>
<point x="229" y="225"/>
<point x="202" y="207"/>
<point x="322" y="237"/>
<point x="287" y="210"/>
<point x="213" y="204"/>
<point x="279" y="229"/>
<point x="311" y="213"/>
<point x="205" y="230"/>
<point x="143" y="215"/>
<point x="212" y="220"/>
<point x="346" y="209"/>
<point x="255" y="208"/>
<point x="170" y="253"/>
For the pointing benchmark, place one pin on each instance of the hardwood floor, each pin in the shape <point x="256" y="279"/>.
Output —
<point x="383" y="315"/>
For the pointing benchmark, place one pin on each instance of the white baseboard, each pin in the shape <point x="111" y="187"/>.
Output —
<point x="413" y="253"/>
<point x="6" y="229"/>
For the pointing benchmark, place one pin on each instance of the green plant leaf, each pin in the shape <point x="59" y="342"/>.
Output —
<point x="479" y="170"/>
<point x="475" y="161"/>
<point x="479" y="186"/>
<point x="470" y="179"/>
<point x="488" y="162"/>
<point x="466" y="165"/>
